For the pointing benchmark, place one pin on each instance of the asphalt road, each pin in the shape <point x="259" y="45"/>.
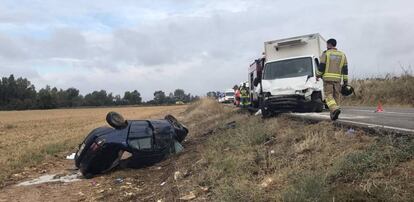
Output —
<point x="392" y="119"/>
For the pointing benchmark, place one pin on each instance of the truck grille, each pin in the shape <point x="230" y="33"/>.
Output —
<point x="284" y="103"/>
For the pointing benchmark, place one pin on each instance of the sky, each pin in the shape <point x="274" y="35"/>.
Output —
<point x="195" y="45"/>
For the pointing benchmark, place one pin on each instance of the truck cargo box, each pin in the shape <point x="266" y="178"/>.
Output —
<point x="311" y="44"/>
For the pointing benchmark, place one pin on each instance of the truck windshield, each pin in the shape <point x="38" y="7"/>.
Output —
<point x="229" y="94"/>
<point x="288" y="68"/>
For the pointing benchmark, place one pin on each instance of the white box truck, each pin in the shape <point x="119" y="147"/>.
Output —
<point x="285" y="78"/>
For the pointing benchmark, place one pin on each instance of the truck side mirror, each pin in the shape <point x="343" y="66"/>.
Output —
<point x="256" y="81"/>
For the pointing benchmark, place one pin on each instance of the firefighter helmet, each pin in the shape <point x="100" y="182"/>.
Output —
<point x="347" y="90"/>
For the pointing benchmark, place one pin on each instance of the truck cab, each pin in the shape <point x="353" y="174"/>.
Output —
<point x="288" y="78"/>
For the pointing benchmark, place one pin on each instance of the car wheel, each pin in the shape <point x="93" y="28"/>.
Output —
<point x="116" y="120"/>
<point x="180" y="130"/>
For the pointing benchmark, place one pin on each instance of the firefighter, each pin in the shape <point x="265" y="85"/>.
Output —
<point x="332" y="69"/>
<point x="244" y="96"/>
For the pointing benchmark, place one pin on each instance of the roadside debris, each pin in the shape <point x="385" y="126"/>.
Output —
<point x="205" y="189"/>
<point x="350" y="132"/>
<point x="229" y="125"/>
<point x="177" y="175"/>
<point x="94" y="183"/>
<point x="71" y="157"/>
<point x="189" y="196"/>
<point x="266" y="182"/>
<point x="119" y="180"/>
<point x="52" y="178"/>
<point x="147" y="141"/>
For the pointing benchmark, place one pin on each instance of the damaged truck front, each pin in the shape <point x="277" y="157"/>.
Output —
<point x="288" y="81"/>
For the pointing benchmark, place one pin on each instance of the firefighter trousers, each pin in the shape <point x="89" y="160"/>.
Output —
<point x="244" y="101"/>
<point x="332" y="90"/>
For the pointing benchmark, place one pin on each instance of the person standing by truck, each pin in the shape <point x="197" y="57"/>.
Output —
<point x="332" y="69"/>
<point x="244" y="96"/>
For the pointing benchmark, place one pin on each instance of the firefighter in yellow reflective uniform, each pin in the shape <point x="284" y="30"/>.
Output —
<point x="244" y="96"/>
<point x="333" y="68"/>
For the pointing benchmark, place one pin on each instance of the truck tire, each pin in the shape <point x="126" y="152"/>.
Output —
<point x="318" y="105"/>
<point x="266" y="113"/>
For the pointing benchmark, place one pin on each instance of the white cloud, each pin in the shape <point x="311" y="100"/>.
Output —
<point x="195" y="45"/>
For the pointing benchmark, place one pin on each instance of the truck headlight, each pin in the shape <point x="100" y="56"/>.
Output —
<point x="298" y="92"/>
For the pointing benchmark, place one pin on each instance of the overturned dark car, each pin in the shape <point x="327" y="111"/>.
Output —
<point x="149" y="141"/>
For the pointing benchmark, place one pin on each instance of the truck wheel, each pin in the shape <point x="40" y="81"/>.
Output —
<point x="317" y="105"/>
<point x="266" y="113"/>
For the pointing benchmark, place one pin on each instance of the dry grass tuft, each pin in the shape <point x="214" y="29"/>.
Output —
<point x="390" y="90"/>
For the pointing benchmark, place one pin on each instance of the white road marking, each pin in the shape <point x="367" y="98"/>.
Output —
<point x="369" y="125"/>
<point x="373" y="111"/>
<point x="325" y="115"/>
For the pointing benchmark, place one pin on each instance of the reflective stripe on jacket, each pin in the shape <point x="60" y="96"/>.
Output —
<point x="334" y="66"/>
<point x="244" y="93"/>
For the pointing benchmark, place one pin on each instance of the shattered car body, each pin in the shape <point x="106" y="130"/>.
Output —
<point x="149" y="141"/>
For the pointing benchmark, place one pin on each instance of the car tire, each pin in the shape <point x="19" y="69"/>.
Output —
<point x="180" y="130"/>
<point x="116" y="120"/>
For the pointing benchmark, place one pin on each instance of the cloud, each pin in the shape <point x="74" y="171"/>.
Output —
<point x="195" y="45"/>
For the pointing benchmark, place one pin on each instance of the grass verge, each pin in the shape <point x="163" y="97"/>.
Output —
<point x="284" y="160"/>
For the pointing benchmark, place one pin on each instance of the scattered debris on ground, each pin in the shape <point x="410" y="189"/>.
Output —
<point x="52" y="178"/>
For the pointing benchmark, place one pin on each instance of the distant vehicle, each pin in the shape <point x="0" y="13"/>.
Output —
<point x="220" y="97"/>
<point x="228" y="96"/>
<point x="285" y="78"/>
<point x="149" y="141"/>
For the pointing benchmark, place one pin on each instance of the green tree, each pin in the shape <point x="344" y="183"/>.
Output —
<point x="179" y="95"/>
<point x="159" y="97"/>
<point x="46" y="99"/>
<point x="98" y="98"/>
<point x="133" y="97"/>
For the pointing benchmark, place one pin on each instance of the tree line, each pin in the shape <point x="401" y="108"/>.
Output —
<point x="20" y="94"/>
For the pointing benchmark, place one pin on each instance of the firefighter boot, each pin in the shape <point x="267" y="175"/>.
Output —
<point x="335" y="114"/>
